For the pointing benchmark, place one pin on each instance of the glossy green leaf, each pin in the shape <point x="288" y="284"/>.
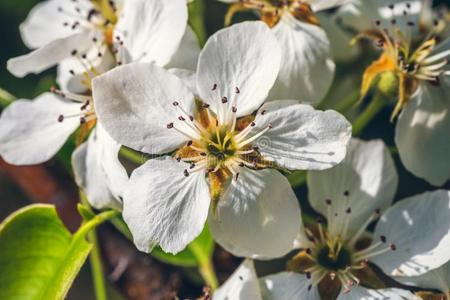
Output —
<point x="39" y="257"/>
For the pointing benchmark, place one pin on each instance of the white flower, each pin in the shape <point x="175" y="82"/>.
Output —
<point x="244" y="284"/>
<point x="307" y="69"/>
<point x="90" y="38"/>
<point x="32" y="132"/>
<point x="217" y="141"/>
<point x="423" y="85"/>
<point x="356" y="16"/>
<point x="411" y="238"/>
<point x="135" y="30"/>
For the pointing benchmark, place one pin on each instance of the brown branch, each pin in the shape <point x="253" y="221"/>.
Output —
<point x="41" y="184"/>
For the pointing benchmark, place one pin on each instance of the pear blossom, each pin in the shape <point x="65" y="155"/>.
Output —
<point x="411" y="238"/>
<point x="225" y="144"/>
<point x="244" y="284"/>
<point x="33" y="131"/>
<point x="422" y="83"/>
<point x="356" y="16"/>
<point x="307" y="68"/>
<point x="63" y="32"/>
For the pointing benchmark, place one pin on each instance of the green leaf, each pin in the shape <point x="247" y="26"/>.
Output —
<point x="39" y="257"/>
<point x="297" y="178"/>
<point x="85" y="212"/>
<point x="197" y="20"/>
<point x="203" y="245"/>
<point x="184" y="258"/>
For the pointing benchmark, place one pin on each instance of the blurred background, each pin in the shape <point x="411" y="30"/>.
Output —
<point x="133" y="275"/>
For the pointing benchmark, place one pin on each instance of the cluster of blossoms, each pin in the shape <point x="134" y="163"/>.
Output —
<point x="228" y="121"/>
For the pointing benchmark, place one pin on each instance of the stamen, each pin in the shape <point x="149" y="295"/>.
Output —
<point x="248" y="141"/>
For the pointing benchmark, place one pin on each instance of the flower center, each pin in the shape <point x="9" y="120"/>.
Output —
<point x="271" y="11"/>
<point x="336" y="258"/>
<point x="411" y="61"/>
<point x="219" y="144"/>
<point x="214" y="146"/>
<point x="335" y="254"/>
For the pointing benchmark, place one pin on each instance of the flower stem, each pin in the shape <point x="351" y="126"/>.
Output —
<point x="88" y="228"/>
<point x="6" y="98"/>
<point x="348" y="102"/>
<point x="206" y="266"/>
<point x="132" y="156"/>
<point x="94" y="257"/>
<point x="374" y="107"/>
<point x="96" y="267"/>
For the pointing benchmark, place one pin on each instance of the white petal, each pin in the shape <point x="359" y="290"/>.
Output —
<point x="288" y="285"/>
<point x="77" y="83"/>
<point x="187" y="54"/>
<point x="152" y="30"/>
<point x="30" y="132"/>
<point x="49" y="55"/>
<point x="307" y="69"/>
<point x="318" y="5"/>
<point x="134" y="104"/>
<point x="369" y="177"/>
<point x="98" y="170"/>
<point x="361" y="293"/>
<point x="301" y="137"/>
<point x="162" y="206"/>
<point x="242" y="285"/>
<point x="78" y="160"/>
<point x="244" y="56"/>
<point x="91" y="178"/>
<point x="45" y="23"/>
<point x="259" y="207"/>
<point x="438" y="279"/>
<point x="420" y="229"/>
<point x="108" y="157"/>
<point x="422" y="133"/>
